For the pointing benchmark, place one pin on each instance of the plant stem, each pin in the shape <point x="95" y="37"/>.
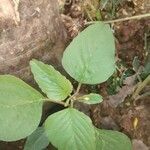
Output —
<point x="128" y="18"/>
<point x="123" y="19"/>
<point x="72" y="102"/>
<point x="140" y="87"/>
<point x="143" y="96"/>
<point x="72" y="96"/>
<point x="78" y="89"/>
<point x="57" y="102"/>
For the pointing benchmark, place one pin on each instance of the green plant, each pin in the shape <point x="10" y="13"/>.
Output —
<point x="89" y="59"/>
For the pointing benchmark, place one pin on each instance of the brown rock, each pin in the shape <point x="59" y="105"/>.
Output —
<point x="29" y="29"/>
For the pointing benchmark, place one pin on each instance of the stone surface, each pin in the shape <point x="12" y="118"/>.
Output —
<point x="29" y="29"/>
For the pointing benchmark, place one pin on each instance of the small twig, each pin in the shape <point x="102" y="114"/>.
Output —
<point x="142" y="96"/>
<point x="128" y="18"/>
<point x="140" y="87"/>
<point x="123" y="19"/>
<point x="78" y="89"/>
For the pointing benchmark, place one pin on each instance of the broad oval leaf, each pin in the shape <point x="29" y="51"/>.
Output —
<point x="20" y="108"/>
<point x="70" y="129"/>
<point x="112" y="140"/>
<point x="51" y="82"/>
<point x="91" y="98"/>
<point x="37" y="140"/>
<point x="90" y="57"/>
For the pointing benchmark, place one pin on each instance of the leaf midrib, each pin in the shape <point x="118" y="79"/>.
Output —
<point x="53" y="80"/>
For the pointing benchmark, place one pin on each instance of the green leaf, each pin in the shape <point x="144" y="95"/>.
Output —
<point x="37" y="140"/>
<point x="20" y="108"/>
<point x="90" y="57"/>
<point x="52" y="83"/>
<point x="112" y="140"/>
<point x="91" y="98"/>
<point x="70" y="129"/>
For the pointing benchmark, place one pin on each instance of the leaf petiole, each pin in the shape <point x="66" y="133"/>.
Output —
<point x="57" y="102"/>
<point x="72" y="97"/>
